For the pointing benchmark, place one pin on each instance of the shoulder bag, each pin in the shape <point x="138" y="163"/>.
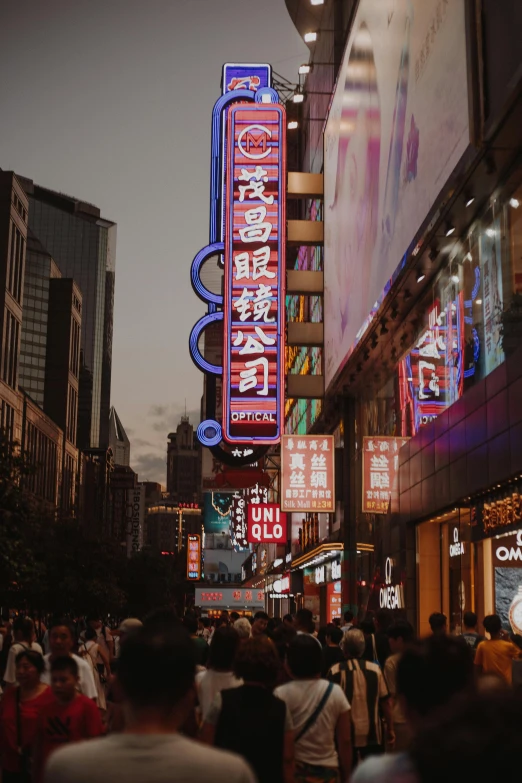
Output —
<point x="315" y="714"/>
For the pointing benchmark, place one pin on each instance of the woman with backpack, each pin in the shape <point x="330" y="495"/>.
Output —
<point x="91" y="651"/>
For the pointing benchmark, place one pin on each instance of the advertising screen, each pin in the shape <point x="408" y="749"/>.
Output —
<point x="216" y="512"/>
<point x="397" y="127"/>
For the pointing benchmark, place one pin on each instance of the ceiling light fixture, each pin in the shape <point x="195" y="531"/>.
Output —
<point x="470" y="200"/>
<point x="455" y="278"/>
<point x="316" y="2"/>
<point x="304" y="69"/>
<point x="420" y="276"/>
<point x="310" y="37"/>
<point x="298" y="97"/>
<point x="292" y="125"/>
<point x="450" y="230"/>
<point x="478" y="301"/>
<point x="490" y="232"/>
<point x="514" y="202"/>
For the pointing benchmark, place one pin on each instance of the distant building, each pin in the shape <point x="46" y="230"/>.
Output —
<point x="97" y="466"/>
<point x="167" y="525"/>
<point x="184" y="464"/>
<point x="83" y="245"/>
<point x="122" y="479"/>
<point x="118" y="440"/>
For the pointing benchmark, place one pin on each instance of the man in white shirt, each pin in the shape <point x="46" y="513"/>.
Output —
<point x="23" y="631"/>
<point x="157" y="699"/>
<point x="61" y="641"/>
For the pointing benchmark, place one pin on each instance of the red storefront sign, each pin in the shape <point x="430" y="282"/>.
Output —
<point x="380" y="472"/>
<point x="308" y="473"/>
<point x="194" y="556"/>
<point x="266" y="524"/>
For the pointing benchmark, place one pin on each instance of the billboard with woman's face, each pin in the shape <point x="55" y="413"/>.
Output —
<point x="397" y="127"/>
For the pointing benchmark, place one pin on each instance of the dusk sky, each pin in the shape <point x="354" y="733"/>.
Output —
<point x="110" y="101"/>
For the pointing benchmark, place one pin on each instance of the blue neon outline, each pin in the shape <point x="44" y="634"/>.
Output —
<point x="216" y="439"/>
<point x="227" y="385"/>
<point x="195" y="353"/>
<point x="197" y="285"/>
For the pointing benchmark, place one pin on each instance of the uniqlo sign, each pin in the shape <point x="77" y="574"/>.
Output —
<point x="308" y="473"/>
<point x="254" y="291"/>
<point x="380" y="472"/>
<point x="266" y="524"/>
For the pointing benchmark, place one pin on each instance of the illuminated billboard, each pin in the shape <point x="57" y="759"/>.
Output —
<point x="308" y="473"/>
<point x="193" y="556"/>
<point x="380" y="473"/>
<point x="397" y="127"/>
<point x="266" y="524"/>
<point x="254" y="275"/>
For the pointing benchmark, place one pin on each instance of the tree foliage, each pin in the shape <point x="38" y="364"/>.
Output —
<point x="53" y="566"/>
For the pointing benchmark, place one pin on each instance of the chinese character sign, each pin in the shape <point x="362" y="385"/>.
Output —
<point x="308" y="473"/>
<point x="380" y="472"/>
<point x="266" y="524"/>
<point x="254" y="301"/>
<point x="193" y="556"/>
<point x="238" y="513"/>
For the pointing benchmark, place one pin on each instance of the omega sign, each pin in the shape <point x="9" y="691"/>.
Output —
<point x="511" y="549"/>
<point x="457" y="547"/>
<point x="390" y="596"/>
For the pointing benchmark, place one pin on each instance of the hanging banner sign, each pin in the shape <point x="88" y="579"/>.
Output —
<point x="193" y="556"/>
<point x="308" y="473"/>
<point x="380" y="473"/>
<point x="254" y="297"/>
<point x="266" y="524"/>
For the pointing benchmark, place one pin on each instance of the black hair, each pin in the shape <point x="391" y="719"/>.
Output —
<point x="470" y="619"/>
<point x="205" y="621"/>
<point x="430" y="672"/>
<point x="261" y="616"/>
<point x="191" y="623"/>
<point x="384" y="619"/>
<point x="163" y="619"/>
<point x="305" y="619"/>
<point x="474" y="738"/>
<point x="348" y="616"/>
<point x="367" y="626"/>
<point x="93" y="618"/>
<point x="334" y="634"/>
<point x="24" y="626"/>
<point x="492" y="624"/>
<point x="156" y="669"/>
<point x="63" y="622"/>
<point x="234" y="616"/>
<point x="34" y="658"/>
<point x="90" y="633"/>
<point x="401" y="629"/>
<point x="437" y="621"/>
<point x="282" y="637"/>
<point x="65" y="663"/>
<point x="223" y="648"/>
<point x="305" y="656"/>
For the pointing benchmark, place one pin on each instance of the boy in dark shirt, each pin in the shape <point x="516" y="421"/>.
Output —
<point x="470" y="633"/>
<point x="332" y="653"/>
<point x="70" y="717"/>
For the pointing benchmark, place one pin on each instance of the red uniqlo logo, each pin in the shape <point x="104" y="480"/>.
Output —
<point x="266" y="524"/>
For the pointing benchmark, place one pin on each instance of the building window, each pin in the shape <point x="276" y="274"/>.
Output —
<point x="10" y="349"/>
<point x="7" y="420"/>
<point x="15" y="264"/>
<point x="72" y="415"/>
<point x="74" y="348"/>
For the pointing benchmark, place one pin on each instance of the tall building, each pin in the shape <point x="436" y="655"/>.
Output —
<point x="118" y="440"/>
<point x="184" y="464"/>
<point x="83" y="245"/>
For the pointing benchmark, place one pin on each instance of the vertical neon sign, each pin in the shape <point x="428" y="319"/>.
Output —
<point x="254" y="294"/>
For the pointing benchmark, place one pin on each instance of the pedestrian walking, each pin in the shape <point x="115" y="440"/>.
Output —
<point x="69" y="717"/>
<point x="496" y="655"/>
<point x="400" y="636"/>
<point x="91" y="652"/>
<point x="438" y="623"/>
<point x="260" y="624"/>
<point x="200" y="645"/>
<point x="219" y="674"/>
<point x="251" y="720"/>
<point x="23" y="633"/>
<point x="320" y="715"/>
<point x="20" y="709"/>
<point x="365" y="688"/>
<point x="430" y="674"/>
<point x="243" y="628"/>
<point x="156" y="678"/>
<point x="61" y="642"/>
<point x="470" y="633"/>
<point x="332" y="652"/>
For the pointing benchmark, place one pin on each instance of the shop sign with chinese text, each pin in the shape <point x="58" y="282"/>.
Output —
<point x="238" y="514"/>
<point x="266" y="524"/>
<point x="229" y="596"/>
<point x="193" y="556"/>
<point x="254" y="300"/>
<point x="380" y="472"/>
<point x="308" y="473"/>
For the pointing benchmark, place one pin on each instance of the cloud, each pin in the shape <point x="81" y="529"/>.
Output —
<point x="158" y="410"/>
<point x="150" y="467"/>
<point x="141" y="443"/>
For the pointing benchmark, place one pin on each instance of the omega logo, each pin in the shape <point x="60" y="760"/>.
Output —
<point x="504" y="554"/>
<point x="457" y="548"/>
<point x="255" y="140"/>
<point x="390" y="597"/>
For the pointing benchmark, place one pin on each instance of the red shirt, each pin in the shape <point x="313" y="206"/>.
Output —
<point x="29" y="714"/>
<point x="60" y="724"/>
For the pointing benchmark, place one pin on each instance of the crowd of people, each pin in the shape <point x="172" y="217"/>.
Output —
<point x="263" y="699"/>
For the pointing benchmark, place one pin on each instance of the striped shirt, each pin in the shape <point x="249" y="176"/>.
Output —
<point x="365" y="688"/>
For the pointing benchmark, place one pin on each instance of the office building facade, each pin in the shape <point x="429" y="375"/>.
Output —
<point x="184" y="464"/>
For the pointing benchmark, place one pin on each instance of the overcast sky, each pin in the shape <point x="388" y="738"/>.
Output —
<point x="110" y="101"/>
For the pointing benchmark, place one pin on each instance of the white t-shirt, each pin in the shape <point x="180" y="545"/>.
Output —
<point x="155" y="758"/>
<point x="317" y="745"/>
<point x="86" y="679"/>
<point x="17" y="647"/>
<point x="209" y="683"/>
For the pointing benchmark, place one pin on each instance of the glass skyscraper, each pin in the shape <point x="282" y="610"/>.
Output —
<point x="83" y="245"/>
